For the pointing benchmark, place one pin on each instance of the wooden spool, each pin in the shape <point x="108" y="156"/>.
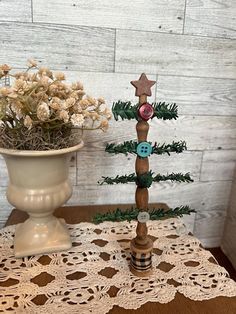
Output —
<point x="141" y="246"/>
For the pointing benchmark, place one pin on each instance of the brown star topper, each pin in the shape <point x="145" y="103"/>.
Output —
<point x="143" y="85"/>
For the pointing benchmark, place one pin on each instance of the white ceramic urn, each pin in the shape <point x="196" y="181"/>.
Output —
<point x="38" y="184"/>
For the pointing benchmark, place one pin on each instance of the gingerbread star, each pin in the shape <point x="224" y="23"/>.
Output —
<point x="143" y="86"/>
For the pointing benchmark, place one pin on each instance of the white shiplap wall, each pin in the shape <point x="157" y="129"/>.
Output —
<point x="187" y="45"/>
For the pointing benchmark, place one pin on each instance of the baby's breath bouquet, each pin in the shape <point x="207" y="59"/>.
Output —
<point x="39" y="111"/>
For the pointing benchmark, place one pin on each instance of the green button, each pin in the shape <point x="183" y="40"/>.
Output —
<point x="144" y="149"/>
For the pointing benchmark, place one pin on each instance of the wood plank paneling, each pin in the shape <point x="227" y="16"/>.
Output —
<point x="5" y="207"/>
<point x="211" y="18"/>
<point x="58" y="46"/>
<point x="218" y="165"/>
<point x="104" y="164"/>
<point x="73" y="170"/>
<point x="200" y="195"/>
<point x="194" y="96"/>
<point x="210" y="200"/>
<point x="111" y="86"/>
<point x="188" y="220"/>
<point x="185" y="162"/>
<point x="200" y="132"/>
<point x="213" y="196"/>
<point x="198" y="96"/>
<point x="172" y="194"/>
<point x="15" y="10"/>
<point x="209" y="226"/>
<point x="150" y="15"/>
<point x="175" y="54"/>
<point x="209" y="222"/>
<point x="3" y="172"/>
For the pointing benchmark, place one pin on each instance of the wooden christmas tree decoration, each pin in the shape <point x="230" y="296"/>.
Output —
<point x="141" y="246"/>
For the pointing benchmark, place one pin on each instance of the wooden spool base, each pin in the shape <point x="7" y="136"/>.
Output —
<point x="141" y="252"/>
<point x="136" y="273"/>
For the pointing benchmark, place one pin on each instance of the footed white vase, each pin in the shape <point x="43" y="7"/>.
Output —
<point x="38" y="184"/>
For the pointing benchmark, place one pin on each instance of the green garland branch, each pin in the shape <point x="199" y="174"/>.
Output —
<point x="126" y="111"/>
<point x="131" y="214"/>
<point x="118" y="179"/>
<point x="145" y="180"/>
<point x="131" y="147"/>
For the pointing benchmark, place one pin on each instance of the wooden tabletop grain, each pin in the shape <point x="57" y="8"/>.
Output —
<point x="180" y="305"/>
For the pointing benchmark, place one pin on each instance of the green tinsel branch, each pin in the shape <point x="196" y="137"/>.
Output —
<point x="131" y="146"/>
<point x="125" y="110"/>
<point x="145" y="180"/>
<point x="165" y="111"/>
<point x="131" y="214"/>
<point x="179" y="177"/>
<point x="118" y="179"/>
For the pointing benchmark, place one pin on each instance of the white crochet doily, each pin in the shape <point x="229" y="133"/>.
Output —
<point x="93" y="291"/>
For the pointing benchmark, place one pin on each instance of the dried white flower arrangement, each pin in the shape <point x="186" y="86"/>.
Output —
<point x="41" y="112"/>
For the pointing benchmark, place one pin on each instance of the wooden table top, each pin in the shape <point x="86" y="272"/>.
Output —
<point x="180" y="305"/>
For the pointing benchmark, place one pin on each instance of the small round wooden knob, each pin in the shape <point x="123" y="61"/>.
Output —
<point x="146" y="111"/>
